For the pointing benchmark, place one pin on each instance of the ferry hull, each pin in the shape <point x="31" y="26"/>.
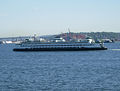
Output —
<point x="60" y="49"/>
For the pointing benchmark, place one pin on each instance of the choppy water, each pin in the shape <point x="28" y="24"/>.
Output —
<point x="60" y="71"/>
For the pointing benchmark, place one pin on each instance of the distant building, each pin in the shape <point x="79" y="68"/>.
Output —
<point x="69" y="36"/>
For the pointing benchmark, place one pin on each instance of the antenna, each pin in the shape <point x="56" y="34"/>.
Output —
<point x="69" y="33"/>
<point x="69" y="30"/>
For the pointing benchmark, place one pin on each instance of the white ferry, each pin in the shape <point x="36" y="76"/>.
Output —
<point x="59" y="44"/>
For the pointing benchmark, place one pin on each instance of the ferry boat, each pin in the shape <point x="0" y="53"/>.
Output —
<point x="59" y="44"/>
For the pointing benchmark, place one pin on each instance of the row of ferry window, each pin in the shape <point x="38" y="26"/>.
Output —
<point x="57" y="45"/>
<point x="54" y="46"/>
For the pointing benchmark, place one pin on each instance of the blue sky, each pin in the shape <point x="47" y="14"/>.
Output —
<point x="42" y="17"/>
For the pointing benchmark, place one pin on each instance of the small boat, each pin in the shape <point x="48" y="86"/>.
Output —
<point x="2" y="42"/>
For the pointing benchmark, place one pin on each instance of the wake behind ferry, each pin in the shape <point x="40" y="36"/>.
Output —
<point x="59" y="44"/>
